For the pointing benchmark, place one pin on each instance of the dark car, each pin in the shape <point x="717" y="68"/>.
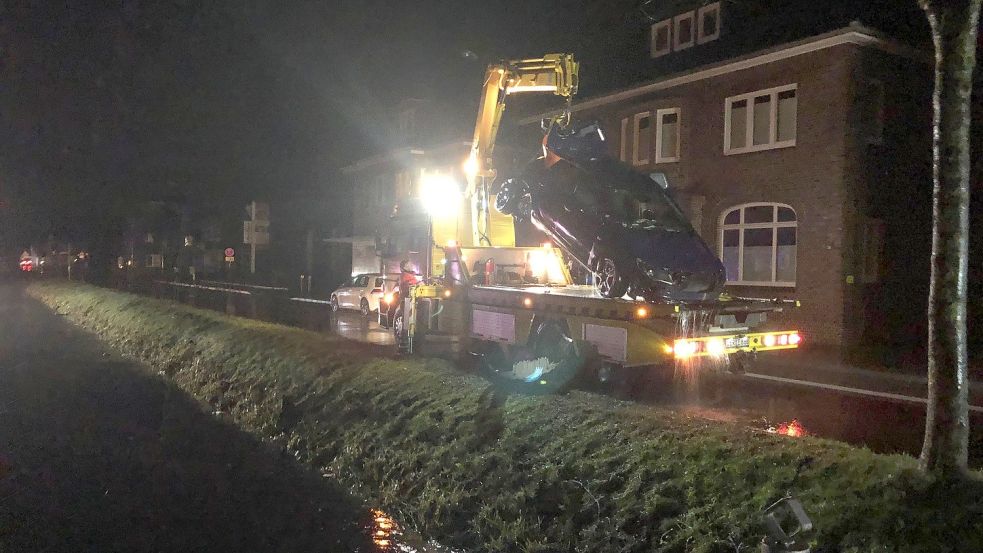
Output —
<point x="620" y="224"/>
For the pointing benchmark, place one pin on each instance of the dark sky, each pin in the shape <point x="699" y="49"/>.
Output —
<point x="102" y="103"/>
<point x="107" y="103"/>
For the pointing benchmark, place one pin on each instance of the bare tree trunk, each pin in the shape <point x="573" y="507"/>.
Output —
<point x="954" y="27"/>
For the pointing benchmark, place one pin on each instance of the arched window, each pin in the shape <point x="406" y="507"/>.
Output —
<point x="757" y="244"/>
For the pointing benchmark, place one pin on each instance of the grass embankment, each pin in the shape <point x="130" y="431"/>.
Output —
<point x="579" y="472"/>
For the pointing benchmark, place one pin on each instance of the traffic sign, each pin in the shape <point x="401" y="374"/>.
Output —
<point x="230" y="252"/>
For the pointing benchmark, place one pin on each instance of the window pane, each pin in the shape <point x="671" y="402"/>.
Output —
<point x="761" y="128"/>
<point x="759" y="214"/>
<point x="730" y="254"/>
<point x="643" y="134"/>
<point x="738" y="124"/>
<point x="785" y="214"/>
<point x="670" y="129"/>
<point x="733" y="217"/>
<point x="709" y="23"/>
<point x="757" y="254"/>
<point x="785" y="256"/>
<point x="684" y="30"/>
<point x="662" y="38"/>
<point x="786" y="115"/>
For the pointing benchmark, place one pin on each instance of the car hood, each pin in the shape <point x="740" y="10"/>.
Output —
<point x="683" y="257"/>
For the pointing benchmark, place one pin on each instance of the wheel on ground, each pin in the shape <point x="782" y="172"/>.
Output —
<point x="397" y="324"/>
<point x="363" y="307"/>
<point x="548" y="363"/>
<point x="334" y="304"/>
<point x="608" y="279"/>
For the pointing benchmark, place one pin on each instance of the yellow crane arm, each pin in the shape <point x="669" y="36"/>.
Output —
<point x="556" y="73"/>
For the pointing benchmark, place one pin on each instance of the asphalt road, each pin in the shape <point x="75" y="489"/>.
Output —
<point x="99" y="454"/>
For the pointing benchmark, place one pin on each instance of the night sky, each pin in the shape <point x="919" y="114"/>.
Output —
<point x="103" y="104"/>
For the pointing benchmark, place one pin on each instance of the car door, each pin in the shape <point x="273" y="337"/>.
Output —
<point x="344" y="293"/>
<point x="359" y="291"/>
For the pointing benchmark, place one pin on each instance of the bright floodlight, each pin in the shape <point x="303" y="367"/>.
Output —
<point x="440" y="194"/>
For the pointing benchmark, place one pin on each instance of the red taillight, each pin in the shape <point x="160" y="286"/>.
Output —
<point x="377" y="291"/>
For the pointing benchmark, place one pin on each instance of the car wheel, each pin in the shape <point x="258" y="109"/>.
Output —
<point x="507" y="199"/>
<point x="334" y="304"/>
<point x="397" y="324"/>
<point x="363" y="307"/>
<point x="609" y="280"/>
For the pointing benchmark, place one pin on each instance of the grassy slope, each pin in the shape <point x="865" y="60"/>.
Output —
<point x="573" y="473"/>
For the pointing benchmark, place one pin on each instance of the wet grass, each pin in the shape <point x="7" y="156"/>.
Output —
<point x="450" y="456"/>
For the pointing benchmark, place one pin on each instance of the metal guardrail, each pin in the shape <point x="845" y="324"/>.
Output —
<point x="243" y="285"/>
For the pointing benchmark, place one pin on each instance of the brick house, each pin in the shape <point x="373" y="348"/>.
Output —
<point x="805" y="164"/>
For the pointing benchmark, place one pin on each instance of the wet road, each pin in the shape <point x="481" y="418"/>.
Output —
<point x="99" y="454"/>
<point x="352" y="325"/>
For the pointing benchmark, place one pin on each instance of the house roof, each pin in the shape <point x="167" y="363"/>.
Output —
<point x="853" y="34"/>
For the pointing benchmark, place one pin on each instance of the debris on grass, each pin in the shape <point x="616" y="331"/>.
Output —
<point x="449" y="456"/>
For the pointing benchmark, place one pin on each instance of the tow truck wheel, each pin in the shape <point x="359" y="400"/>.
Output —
<point x="548" y="364"/>
<point x="397" y="324"/>
<point x="608" y="279"/>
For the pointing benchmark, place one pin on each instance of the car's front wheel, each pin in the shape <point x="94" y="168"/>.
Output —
<point x="363" y="307"/>
<point x="609" y="280"/>
<point x="334" y="304"/>
<point x="509" y="196"/>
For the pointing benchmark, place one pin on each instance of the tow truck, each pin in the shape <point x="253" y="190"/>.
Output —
<point x="521" y="314"/>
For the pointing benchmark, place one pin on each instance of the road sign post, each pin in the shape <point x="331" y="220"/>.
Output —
<point x="256" y="232"/>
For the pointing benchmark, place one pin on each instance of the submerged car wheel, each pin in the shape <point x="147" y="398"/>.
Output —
<point x="608" y="279"/>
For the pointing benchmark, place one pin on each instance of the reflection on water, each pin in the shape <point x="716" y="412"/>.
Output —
<point x="389" y="537"/>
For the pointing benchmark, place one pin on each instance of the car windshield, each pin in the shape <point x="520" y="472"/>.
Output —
<point x="634" y="199"/>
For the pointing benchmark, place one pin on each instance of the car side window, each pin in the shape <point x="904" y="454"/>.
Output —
<point x="362" y="281"/>
<point x="378" y="282"/>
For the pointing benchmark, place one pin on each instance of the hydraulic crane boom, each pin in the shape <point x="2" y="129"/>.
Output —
<point x="556" y="73"/>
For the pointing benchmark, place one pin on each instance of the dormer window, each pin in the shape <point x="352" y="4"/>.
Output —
<point x="685" y="30"/>
<point x="661" y="44"/>
<point x="708" y="18"/>
<point x="685" y="33"/>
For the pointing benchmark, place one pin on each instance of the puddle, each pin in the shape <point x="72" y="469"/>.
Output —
<point x="389" y="537"/>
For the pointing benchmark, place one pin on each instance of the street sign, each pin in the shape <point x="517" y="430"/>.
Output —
<point x="230" y="252"/>
<point x="259" y="211"/>
<point x="230" y="258"/>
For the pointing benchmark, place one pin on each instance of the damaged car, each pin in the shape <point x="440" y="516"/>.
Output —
<point x="619" y="224"/>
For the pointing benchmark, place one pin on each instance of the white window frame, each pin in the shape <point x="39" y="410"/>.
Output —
<point x="624" y="140"/>
<point x="773" y="142"/>
<point x="667" y="24"/>
<point x="635" y="160"/>
<point x="701" y="36"/>
<point x="676" y="44"/>
<point x="658" y="134"/>
<point x="741" y="226"/>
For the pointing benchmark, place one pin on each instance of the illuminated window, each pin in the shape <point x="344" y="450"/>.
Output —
<point x="708" y="23"/>
<point x="661" y="38"/>
<point x="760" y="120"/>
<point x="667" y="135"/>
<point x="685" y="35"/>
<point x="758" y="244"/>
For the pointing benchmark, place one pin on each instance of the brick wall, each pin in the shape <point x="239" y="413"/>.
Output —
<point x="811" y="176"/>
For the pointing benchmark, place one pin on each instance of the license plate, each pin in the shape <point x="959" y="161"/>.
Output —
<point x="736" y="342"/>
